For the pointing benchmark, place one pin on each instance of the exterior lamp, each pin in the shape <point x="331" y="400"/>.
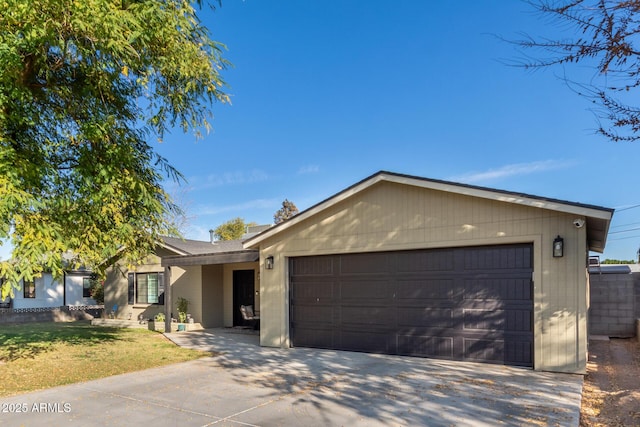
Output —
<point x="268" y="262"/>
<point x="558" y="247"/>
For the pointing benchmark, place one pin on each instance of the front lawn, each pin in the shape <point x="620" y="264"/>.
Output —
<point x="36" y="356"/>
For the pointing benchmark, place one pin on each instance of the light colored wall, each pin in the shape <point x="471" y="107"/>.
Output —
<point x="74" y="289"/>
<point x="212" y="296"/>
<point x="391" y="216"/>
<point x="186" y="282"/>
<point x="49" y="293"/>
<point x="116" y="287"/>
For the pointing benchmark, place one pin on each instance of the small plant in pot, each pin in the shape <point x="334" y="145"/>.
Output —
<point x="183" y="306"/>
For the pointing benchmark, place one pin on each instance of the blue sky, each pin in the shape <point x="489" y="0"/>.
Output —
<point x="326" y="94"/>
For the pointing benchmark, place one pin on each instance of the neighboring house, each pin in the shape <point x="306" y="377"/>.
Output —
<point x="406" y="265"/>
<point x="45" y="292"/>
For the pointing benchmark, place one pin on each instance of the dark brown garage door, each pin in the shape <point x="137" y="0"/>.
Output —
<point x="472" y="304"/>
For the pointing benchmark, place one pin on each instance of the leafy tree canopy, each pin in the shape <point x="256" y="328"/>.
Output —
<point x="84" y="87"/>
<point x="618" y="261"/>
<point x="287" y="210"/>
<point x="606" y="40"/>
<point x="233" y="229"/>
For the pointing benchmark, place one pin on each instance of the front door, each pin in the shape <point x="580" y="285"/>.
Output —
<point x="243" y="294"/>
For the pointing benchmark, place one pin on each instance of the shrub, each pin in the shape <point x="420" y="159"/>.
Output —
<point x="183" y="307"/>
<point x="97" y="291"/>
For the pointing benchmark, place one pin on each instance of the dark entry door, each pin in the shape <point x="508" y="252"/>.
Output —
<point x="243" y="294"/>
<point x="472" y="304"/>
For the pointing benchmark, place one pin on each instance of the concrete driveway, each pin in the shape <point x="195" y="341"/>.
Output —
<point x="247" y="385"/>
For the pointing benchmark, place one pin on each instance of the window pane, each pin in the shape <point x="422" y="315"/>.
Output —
<point x="29" y="289"/>
<point x="152" y="286"/>
<point x="86" y="287"/>
<point x="141" y="288"/>
<point x="131" y="280"/>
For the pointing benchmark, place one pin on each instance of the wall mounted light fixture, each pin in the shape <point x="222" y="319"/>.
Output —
<point x="268" y="262"/>
<point x="558" y="247"/>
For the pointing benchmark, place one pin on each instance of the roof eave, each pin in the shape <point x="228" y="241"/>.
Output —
<point x="211" y="258"/>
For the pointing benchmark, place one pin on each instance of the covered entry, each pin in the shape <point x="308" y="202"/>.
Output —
<point x="471" y="303"/>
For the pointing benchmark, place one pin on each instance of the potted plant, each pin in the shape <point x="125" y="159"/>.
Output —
<point x="183" y="306"/>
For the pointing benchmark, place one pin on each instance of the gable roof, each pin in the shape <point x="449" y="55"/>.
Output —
<point x="598" y="218"/>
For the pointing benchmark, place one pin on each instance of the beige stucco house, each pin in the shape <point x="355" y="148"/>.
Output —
<point x="406" y="265"/>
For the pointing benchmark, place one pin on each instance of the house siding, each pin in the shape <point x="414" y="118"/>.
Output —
<point x="52" y="293"/>
<point x="182" y="285"/>
<point x="391" y="216"/>
<point x="116" y="288"/>
<point x="49" y="293"/>
<point x="212" y="296"/>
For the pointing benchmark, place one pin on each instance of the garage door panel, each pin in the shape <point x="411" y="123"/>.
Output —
<point x="369" y="341"/>
<point x="499" y="288"/>
<point x="368" y="315"/>
<point x="368" y="289"/>
<point x="315" y="289"/>
<point x="425" y="346"/>
<point x="313" y="266"/>
<point x="484" y="350"/>
<point x="461" y="304"/>
<point x="366" y="264"/>
<point x="498" y="320"/>
<point x="317" y="338"/>
<point x="498" y="258"/>
<point x="507" y="351"/>
<point x="313" y="314"/>
<point x="425" y="317"/>
<point x="519" y="353"/>
<point x="440" y="289"/>
<point x="443" y="260"/>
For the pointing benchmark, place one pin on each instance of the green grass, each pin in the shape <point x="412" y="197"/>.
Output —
<point x="37" y="356"/>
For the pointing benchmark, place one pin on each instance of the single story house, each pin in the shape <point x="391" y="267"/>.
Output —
<point x="45" y="292"/>
<point x="138" y="292"/>
<point x="407" y="265"/>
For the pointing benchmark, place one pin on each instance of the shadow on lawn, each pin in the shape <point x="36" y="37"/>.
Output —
<point x="26" y="341"/>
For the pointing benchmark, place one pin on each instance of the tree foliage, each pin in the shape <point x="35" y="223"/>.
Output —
<point x="233" y="229"/>
<point x="606" y="39"/>
<point x="85" y="88"/>
<point x="618" y="261"/>
<point x="287" y="210"/>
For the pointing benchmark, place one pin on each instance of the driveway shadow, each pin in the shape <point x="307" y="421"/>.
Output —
<point x="393" y="389"/>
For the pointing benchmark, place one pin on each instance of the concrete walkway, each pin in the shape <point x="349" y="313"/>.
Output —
<point x="247" y="385"/>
